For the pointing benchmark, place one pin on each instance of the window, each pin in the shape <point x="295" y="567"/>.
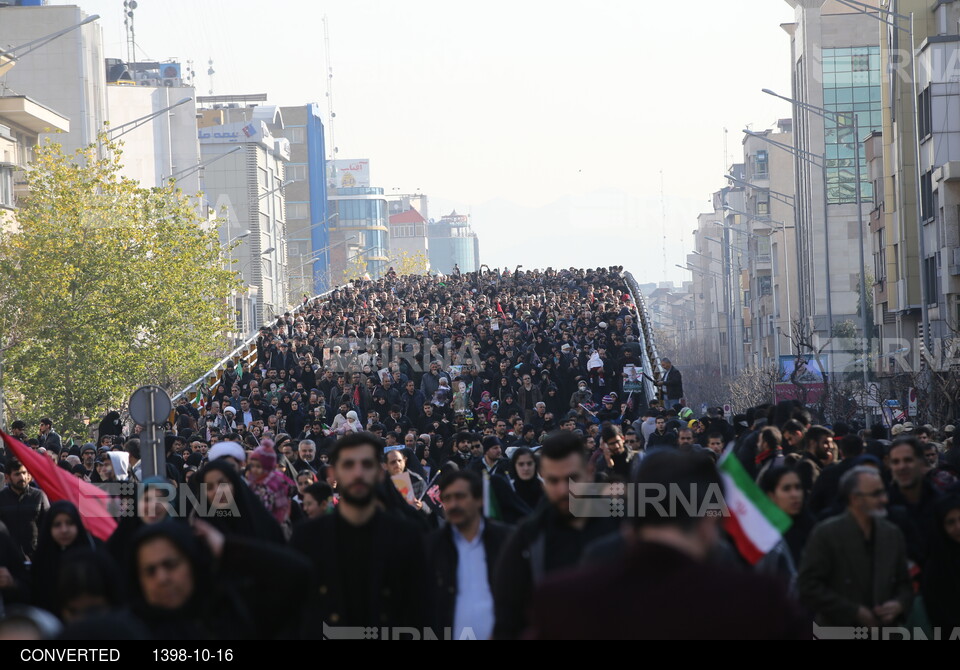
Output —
<point x="925" y="112"/>
<point x="926" y="197"/>
<point x="298" y="210"/>
<point x="763" y="203"/>
<point x="296" y="172"/>
<point x="761" y="164"/>
<point x="880" y="255"/>
<point x="6" y="187"/>
<point x="763" y="249"/>
<point x="930" y="279"/>
<point x="766" y="285"/>
<point x="297" y="135"/>
<point x="851" y="85"/>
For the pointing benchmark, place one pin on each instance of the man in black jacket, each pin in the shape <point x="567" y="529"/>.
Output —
<point x="462" y="557"/>
<point x="550" y="540"/>
<point x="368" y="565"/>
<point x="672" y="384"/>
<point x="22" y="507"/>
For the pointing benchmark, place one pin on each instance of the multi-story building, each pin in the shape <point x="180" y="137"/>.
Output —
<point x="158" y="130"/>
<point x="453" y="244"/>
<point x="65" y="73"/>
<point x="710" y="330"/>
<point x="408" y="232"/>
<point x="22" y="121"/>
<point x="835" y="58"/>
<point x="359" y="221"/>
<point x="308" y="222"/>
<point x="939" y="111"/>
<point x="244" y="161"/>
<point x="769" y="235"/>
<point x="672" y="315"/>
<point x="899" y="265"/>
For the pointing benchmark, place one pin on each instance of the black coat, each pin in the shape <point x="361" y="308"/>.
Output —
<point x="22" y="515"/>
<point x="443" y="558"/>
<point x="657" y="593"/>
<point x="540" y="545"/>
<point x="396" y="581"/>
<point x="255" y="591"/>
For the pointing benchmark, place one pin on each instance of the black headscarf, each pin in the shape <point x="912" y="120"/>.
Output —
<point x="530" y="490"/>
<point x="201" y="617"/>
<point x="252" y="519"/>
<point x="45" y="571"/>
<point x="941" y="575"/>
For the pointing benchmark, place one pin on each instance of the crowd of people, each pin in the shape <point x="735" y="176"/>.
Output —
<point x="402" y="456"/>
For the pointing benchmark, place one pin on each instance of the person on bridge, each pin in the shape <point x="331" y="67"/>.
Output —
<point x="671" y="384"/>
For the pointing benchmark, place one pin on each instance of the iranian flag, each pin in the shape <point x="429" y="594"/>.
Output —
<point x="491" y="505"/>
<point x="754" y="522"/>
<point x="59" y="484"/>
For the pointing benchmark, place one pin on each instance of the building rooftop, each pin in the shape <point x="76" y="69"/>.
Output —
<point x="30" y="114"/>
<point x="410" y="216"/>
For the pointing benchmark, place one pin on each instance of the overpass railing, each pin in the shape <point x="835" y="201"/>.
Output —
<point x="648" y="342"/>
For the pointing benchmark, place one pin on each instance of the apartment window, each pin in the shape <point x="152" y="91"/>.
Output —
<point x="930" y="278"/>
<point x="6" y="187"/>
<point x="297" y="135"/>
<point x="298" y="210"/>
<point x="761" y="164"/>
<point x="880" y="256"/>
<point x="296" y="172"/>
<point x="766" y="285"/>
<point x="763" y="203"/>
<point x="925" y="112"/>
<point x="926" y="197"/>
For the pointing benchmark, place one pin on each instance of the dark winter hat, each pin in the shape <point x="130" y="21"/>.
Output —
<point x="491" y="441"/>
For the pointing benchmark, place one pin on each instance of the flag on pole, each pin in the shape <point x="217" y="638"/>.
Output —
<point x="491" y="506"/>
<point x="59" y="484"/>
<point x="754" y="522"/>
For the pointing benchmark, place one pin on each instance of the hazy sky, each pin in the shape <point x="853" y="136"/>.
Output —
<point x="533" y="105"/>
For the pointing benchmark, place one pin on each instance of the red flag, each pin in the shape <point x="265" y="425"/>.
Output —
<point x="59" y="484"/>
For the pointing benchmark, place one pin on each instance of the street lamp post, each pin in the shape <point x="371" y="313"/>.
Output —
<point x="9" y="58"/>
<point x="123" y="129"/>
<point x="858" y="188"/>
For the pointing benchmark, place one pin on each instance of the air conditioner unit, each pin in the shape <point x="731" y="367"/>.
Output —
<point x="149" y="82"/>
<point x="171" y="82"/>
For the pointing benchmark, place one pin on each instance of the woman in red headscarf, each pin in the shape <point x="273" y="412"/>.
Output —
<point x="270" y="485"/>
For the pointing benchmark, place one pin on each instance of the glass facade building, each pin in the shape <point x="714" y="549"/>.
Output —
<point x="851" y="84"/>
<point x="360" y="223"/>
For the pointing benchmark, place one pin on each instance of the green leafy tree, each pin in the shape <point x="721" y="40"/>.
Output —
<point x="108" y="286"/>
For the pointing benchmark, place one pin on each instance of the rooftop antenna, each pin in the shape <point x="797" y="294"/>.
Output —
<point x="210" y="73"/>
<point x="129" y="6"/>
<point x="331" y="115"/>
<point x="190" y="76"/>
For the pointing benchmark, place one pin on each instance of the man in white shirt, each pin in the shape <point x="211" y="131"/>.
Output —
<point x="462" y="555"/>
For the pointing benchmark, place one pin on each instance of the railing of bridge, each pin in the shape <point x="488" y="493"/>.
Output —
<point x="648" y="342"/>
<point x="246" y="353"/>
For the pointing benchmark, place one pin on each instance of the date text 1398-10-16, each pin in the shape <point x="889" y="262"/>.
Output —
<point x="162" y="655"/>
